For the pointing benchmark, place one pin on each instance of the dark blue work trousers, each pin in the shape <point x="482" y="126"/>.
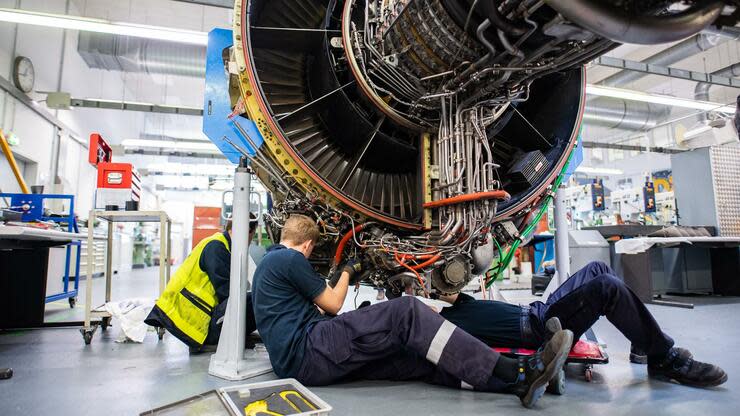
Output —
<point x="596" y="291"/>
<point x="402" y="339"/>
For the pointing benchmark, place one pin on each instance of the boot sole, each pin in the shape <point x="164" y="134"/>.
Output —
<point x="708" y="383"/>
<point x="539" y="385"/>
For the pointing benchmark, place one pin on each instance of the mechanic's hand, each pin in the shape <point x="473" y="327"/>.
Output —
<point x="353" y="269"/>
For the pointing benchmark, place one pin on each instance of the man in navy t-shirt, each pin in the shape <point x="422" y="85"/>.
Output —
<point x="402" y="339"/>
<point x="590" y="293"/>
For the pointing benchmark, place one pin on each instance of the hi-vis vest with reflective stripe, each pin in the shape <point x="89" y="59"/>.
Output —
<point x="190" y="297"/>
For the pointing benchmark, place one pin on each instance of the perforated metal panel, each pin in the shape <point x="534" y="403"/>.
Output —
<point x="726" y="178"/>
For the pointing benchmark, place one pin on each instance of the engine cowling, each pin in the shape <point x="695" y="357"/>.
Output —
<point x="423" y="135"/>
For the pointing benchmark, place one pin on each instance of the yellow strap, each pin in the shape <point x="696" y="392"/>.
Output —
<point x="13" y="165"/>
<point x="287" y="393"/>
<point x="259" y="408"/>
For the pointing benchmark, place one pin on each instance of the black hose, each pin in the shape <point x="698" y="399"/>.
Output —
<point x="501" y="22"/>
<point x="614" y="24"/>
<point x="481" y="33"/>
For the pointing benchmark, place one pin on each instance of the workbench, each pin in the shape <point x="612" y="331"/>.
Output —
<point x="164" y="263"/>
<point x="17" y="237"/>
<point x="654" y="266"/>
<point x="24" y="257"/>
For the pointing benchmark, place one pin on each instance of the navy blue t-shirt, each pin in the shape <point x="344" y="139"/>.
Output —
<point x="495" y="323"/>
<point x="283" y="291"/>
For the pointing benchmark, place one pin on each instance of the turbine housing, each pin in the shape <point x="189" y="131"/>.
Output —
<point x="415" y="131"/>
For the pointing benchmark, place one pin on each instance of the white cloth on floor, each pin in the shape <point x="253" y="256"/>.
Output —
<point x="131" y="314"/>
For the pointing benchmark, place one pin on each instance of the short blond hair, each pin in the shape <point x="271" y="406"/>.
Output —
<point x="298" y="229"/>
<point x="253" y="223"/>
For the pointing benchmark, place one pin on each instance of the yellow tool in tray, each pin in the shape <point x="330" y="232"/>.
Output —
<point x="262" y="407"/>
<point x="259" y="408"/>
<point x="292" y="393"/>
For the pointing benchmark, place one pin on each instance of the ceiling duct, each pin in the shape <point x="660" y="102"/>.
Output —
<point x="627" y="115"/>
<point x="140" y="55"/>
<point x="682" y="50"/>
<point x="701" y="92"/>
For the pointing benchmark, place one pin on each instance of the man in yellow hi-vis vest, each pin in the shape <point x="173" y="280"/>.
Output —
<point x="193" y="304"/>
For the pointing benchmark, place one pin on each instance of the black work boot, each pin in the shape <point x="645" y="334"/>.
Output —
<point x="638" y="356"/>
<point x="535" y="372"/>
<point x="680" y="366"/>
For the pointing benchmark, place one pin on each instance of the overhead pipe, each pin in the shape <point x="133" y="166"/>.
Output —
<point x="612" y="23"/>
<point x="701" y="92"/>
<point x="140" y="55"/>
<point x="625" y="115"/>
<point x="676" y="53"/>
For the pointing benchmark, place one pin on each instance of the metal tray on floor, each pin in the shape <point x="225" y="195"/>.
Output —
<point x="285" y="397"/>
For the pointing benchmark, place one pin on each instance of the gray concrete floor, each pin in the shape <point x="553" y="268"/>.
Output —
<point x="55" y="373"/>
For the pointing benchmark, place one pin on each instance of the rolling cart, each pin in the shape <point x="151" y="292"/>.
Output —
<point x="89" y="328"/>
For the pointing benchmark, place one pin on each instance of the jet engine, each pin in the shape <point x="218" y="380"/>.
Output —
<point x="426" y="137"/>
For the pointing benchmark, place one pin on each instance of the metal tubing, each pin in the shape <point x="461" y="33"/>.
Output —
<point x="611" y="23"/>
<point x="90" y="268"/>
<point x="228" y="362"/>
<point x="109" y="261"/>
<point x="169" y="251"/>
<point x="239" y="285"/>
<point x="562" y="249"/>
<point x="682" y="50"/>
<point x="701" y="92"/>
<point x="482" y="37"/>
<point x="163" y="260"/>
<point x="502" y="23"/>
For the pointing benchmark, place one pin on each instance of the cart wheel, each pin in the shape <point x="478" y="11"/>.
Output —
<point x="557" y="384"/>
<point x="72" y="302"/>
<point x="588" y="374"/>
<point x="105" y="323"/>
<point x="87" y="335"/>
<point x="160" y="333"/>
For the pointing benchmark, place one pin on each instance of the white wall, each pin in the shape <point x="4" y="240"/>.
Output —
<point x="60" y="68"/>
<point x="8" y="184"/>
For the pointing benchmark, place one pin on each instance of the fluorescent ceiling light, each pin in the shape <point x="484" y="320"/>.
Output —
<point x="599" y="171"/>
<point x="170" y="145"/>
<point x="87" y="24"/>
<point x="696" y="132"/>
<point x="191" y="169"/>
<point x="630" y="95"/>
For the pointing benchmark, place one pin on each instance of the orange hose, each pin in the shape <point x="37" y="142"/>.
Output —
<point x="343" y="243"/>
<point x="416" y="257"/>
<point x="480" y="196"/>
<point x="418" y="276"/>
<point x="427" y="263"/>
